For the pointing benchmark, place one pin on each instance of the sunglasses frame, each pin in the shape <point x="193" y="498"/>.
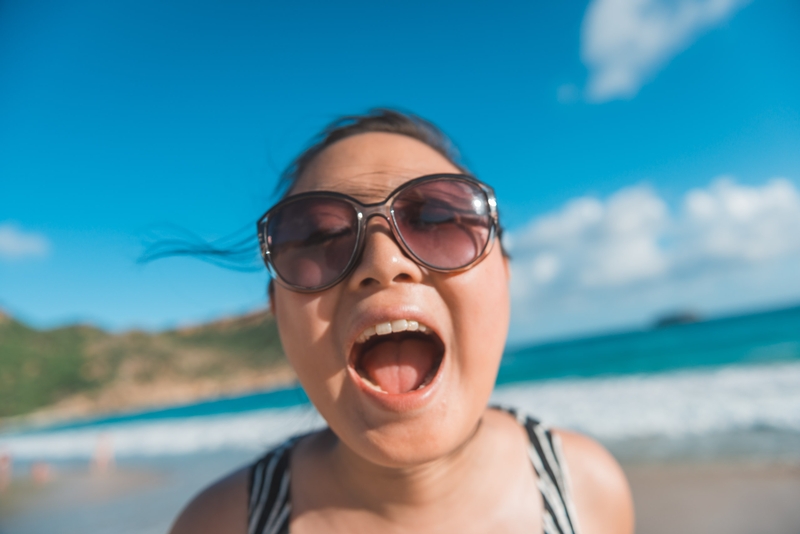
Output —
<point x="364" y="213"/>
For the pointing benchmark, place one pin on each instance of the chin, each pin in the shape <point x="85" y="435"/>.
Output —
<point x="414" y="442"/>
<point x="435" y="427"/>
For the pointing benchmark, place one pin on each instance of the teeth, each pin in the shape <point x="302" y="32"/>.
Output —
<point x="383" y="328"/>
<point x="372" y="385"/>
<point x="398" y="325"/>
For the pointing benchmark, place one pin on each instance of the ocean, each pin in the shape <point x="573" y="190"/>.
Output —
<point x="717" y="378"/>
<point x="723" y="390"/>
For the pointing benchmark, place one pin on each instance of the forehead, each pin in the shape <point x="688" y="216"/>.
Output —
<point x="369" y="166"/>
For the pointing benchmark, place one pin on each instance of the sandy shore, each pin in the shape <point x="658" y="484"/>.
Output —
<point x="145" y="495"/>
<point x="140" y="496"/>
<point x="126" y="396"/>
<point x="729" y="498"/>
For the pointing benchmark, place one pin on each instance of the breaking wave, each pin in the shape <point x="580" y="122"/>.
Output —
<point x="671" y="405"/>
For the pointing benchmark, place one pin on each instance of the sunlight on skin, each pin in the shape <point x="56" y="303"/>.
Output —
<point x="441" y="462"/>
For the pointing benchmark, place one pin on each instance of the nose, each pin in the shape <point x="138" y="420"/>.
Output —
<point x="383" y="262"/>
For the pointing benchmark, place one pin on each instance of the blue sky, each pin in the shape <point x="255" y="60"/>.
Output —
<point x="116" y="117"/>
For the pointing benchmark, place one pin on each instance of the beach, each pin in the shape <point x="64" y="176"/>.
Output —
<point x="135" y="496"/>
<point x="737" y="481"/>
<point x="705" y="422"/>
<point x="732" y="496"/>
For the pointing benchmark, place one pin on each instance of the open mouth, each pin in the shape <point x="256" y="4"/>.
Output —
<point x="397" y="357"/>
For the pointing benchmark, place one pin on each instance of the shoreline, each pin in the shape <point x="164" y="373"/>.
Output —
<point x="127" y="398"/>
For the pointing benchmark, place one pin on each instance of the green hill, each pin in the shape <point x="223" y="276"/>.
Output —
<point x="39" y="368"/>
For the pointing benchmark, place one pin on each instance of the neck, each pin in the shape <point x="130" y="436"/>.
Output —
<point x="390" y="490"/>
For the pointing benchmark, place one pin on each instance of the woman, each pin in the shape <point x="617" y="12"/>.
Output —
<point x="392" y="302"/>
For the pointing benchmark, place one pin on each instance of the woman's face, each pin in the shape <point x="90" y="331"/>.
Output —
<point x="406" y="398"/>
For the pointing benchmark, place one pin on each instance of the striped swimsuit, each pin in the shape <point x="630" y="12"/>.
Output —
<point x="270" y="506"/>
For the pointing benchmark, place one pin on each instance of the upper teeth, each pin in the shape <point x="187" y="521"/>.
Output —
<point x="398" y="325"/>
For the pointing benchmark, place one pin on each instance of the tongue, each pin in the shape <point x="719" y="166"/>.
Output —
<point x="399" y="366"/>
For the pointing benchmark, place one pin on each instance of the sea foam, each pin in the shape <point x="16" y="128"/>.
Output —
<point x="672" y="405"/>
<point x="667" y="405"/>
<point x="252" y="430"/>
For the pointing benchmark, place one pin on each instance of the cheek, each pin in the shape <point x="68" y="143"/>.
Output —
<point x="304" y="325"/>
<point x="479" y="302"/>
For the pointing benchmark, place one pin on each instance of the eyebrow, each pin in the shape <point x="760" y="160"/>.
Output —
<point x="366" y="192"/>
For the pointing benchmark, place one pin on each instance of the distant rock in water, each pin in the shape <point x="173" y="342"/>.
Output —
<point x="672" y="319"/>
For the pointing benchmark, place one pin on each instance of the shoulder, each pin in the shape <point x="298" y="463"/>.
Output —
<point x="599" y="488"/>
<point x="220" y="508"/>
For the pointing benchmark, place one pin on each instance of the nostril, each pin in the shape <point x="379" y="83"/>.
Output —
<point x="383" y="260"/>
<point x="366" y="282"/>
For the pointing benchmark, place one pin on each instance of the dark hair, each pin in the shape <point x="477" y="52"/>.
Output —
<point x="375" y="120"/>
<point x="240" y="250"/>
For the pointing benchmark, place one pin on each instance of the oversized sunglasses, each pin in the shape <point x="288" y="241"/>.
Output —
<point x="445" y="222"/>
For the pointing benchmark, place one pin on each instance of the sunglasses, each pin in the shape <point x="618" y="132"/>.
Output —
<point x="445" y="222"/>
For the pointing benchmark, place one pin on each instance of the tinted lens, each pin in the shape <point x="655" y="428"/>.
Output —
<point x="446" y="223"/>
<point x="311" y="241"/>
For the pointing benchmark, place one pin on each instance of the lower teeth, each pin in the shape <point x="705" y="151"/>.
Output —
<point x="372" y="385"/>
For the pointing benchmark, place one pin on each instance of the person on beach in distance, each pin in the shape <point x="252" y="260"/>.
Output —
<point x="391" y="298"/>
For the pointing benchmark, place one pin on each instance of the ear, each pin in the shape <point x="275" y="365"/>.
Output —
<point x="506" y="265"/>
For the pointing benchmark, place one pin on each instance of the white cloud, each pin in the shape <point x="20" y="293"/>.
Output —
<point x="733" y="222"/>
<point x="625" y="42"/>
<point x="596" y="264"/>
<point x="590" y="243"/>
<point x="17" y="244"/>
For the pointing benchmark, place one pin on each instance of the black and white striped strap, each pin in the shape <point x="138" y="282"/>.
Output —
<point x="269" y="490"/>
<point x="270" y="483"/>
<point x="547" y="457"/>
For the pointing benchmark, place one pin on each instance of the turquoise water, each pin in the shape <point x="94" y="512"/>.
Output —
<point x="766" y="337"/>
<point x="278" y="398"/>
<point x="747" y="339"/>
